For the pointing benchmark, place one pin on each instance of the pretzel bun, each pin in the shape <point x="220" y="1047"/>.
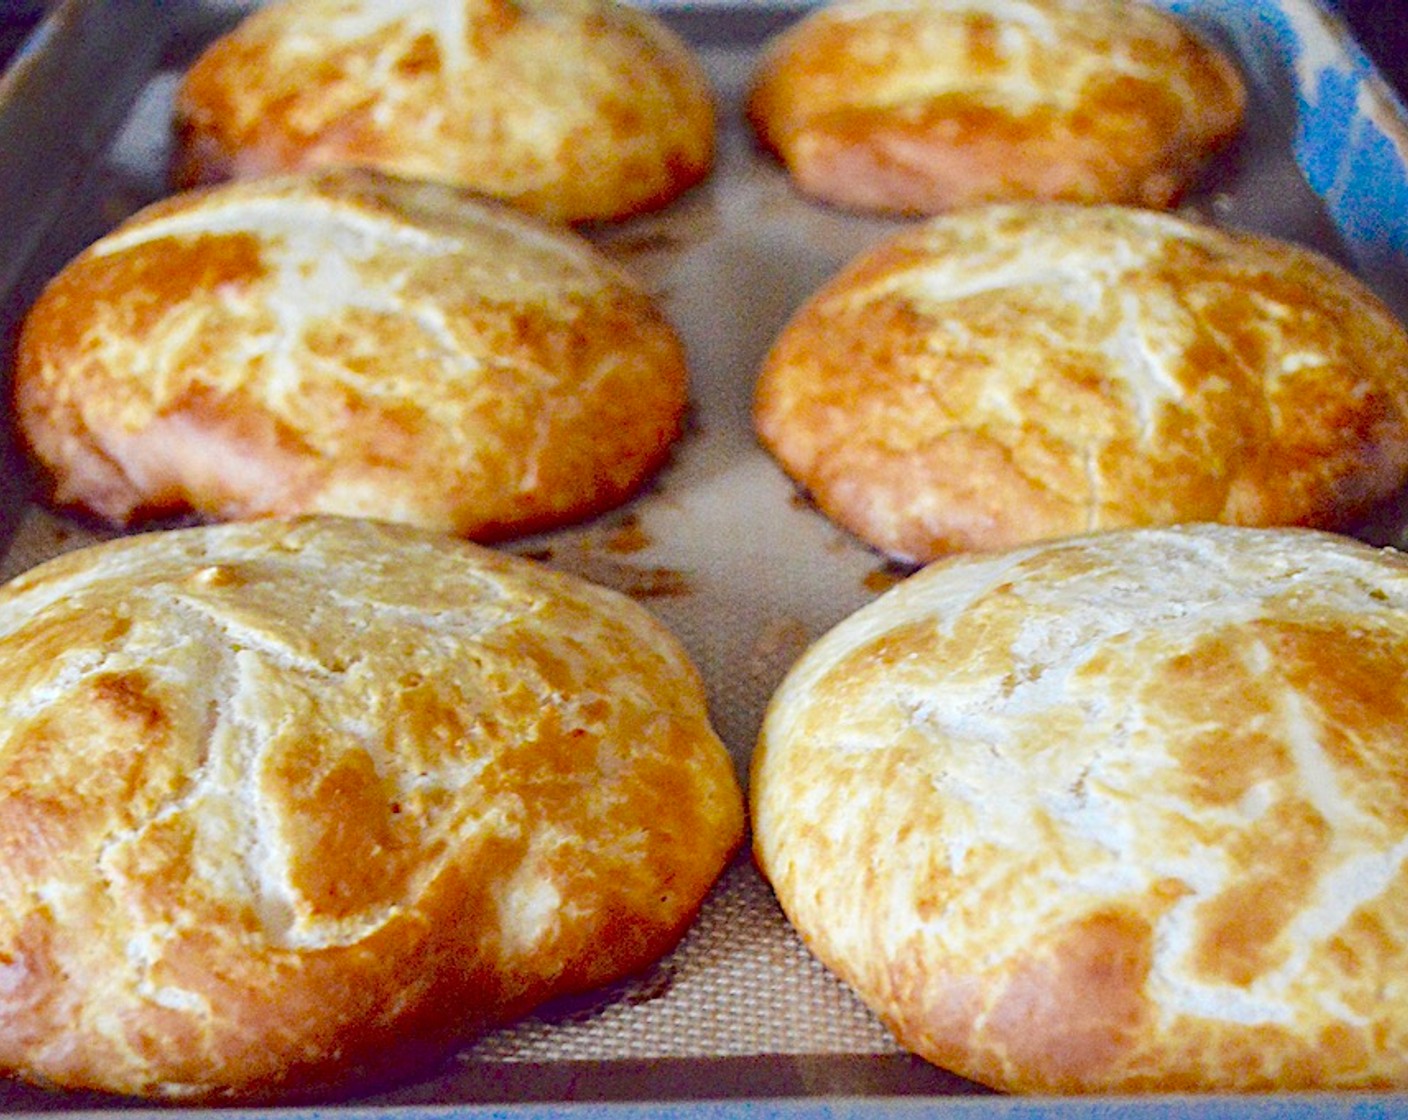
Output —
<point x="1119" y="813"/>
<point x="924" y="106"/>
<point x="289" y="806"/>
<point x="345" y="342"/>
<point x="573" y="110"/>
<point x="1015" y="373"/>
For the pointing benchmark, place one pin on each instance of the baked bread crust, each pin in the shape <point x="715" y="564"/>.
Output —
<point x="1119" y="813"/>
<point x="1019" y="372"/>
<point x="924" y="106"/>
<point x="285" y="805"/>
<point x="574" y="110"/>
<point x="345" y="342"/>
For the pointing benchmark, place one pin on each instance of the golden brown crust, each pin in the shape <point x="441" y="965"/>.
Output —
<point x="348" y="343"/>
<point x="286" y="804"/>
<point x="1019" y="372"/>
<point x="574" y="110"/>
<point x="923" y="106"/>
<point x="1119" y="813"/>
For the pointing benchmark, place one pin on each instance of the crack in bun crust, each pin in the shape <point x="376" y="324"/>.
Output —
<point x="286" y="806"/>
<point x="1028" y="371"/>
<point x="349" y="343"/>
<point x="1119" y="813"/>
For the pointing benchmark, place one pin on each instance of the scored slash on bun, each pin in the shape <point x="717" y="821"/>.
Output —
<point x="923" y="106"/>
<point x="573" y="110"/>
<point x="1116" y="813"/>
<point x="1012" y="373"/>
<point x="290" y="805"/>
<point x="347" y="342"/>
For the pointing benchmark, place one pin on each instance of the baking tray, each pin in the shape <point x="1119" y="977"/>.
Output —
<point x="740" y="1020"/>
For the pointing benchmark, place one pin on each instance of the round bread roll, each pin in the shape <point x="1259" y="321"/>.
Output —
<point x="1013" y="373"/>
<point x="574" y="110"/>
<point x="344" y="342"/>
<point x="1125" y="812"/>
<point x="923" y="106"/>
<point x="289" y="805"/>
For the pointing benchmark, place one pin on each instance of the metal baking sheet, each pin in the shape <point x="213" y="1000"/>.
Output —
<point x="740" y="1020"/>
